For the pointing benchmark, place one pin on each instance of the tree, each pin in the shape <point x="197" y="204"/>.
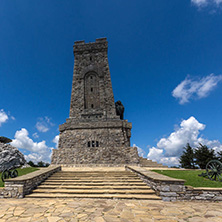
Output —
<point x="219" y="156"/>
<point x="30" y="163"/>
<point x="203" y="155"/>
<point x="4" y="139"/>
<point x="41" y="164"/>
<point x="187" y="158"/>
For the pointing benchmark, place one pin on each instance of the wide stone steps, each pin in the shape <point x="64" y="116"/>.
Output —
<point x="80" y="183"/>
<point x="93" y="191"/>
<point x="96" y="180"/>
<point x="149" y="163"/>
<point x="99" y="196"/>
<point x="97" y="184"/>
<point x="81" y="187"/>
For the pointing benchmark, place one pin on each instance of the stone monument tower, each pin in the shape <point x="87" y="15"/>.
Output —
<point x="93" y="133"/>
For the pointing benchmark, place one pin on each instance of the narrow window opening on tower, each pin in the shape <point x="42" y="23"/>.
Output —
<point x="97" y="144"/>
<point x="89" y="144"/>
<point x="93" y="143"/>
<point x="91" y="77"/>
<point x="90" y="58"/>
<point x="91" y="89"/>
<point x="91" y="105"/>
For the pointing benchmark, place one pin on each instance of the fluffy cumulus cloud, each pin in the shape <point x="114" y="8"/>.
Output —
<point x="38" y="150"/>
<point x="141" y="152"/>
<point x="168" y="150"/>
<point x="3" y="117"/>
<point x="205" y="3"/>
<point x="56" y="141"/>
<point x="43" y="124"/>
<point x="195" y="88"/>
<point x="35" y="135"/>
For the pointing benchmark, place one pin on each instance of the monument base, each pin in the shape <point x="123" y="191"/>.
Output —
<point x="96" y="155"/>
<point x="95" y="142"/>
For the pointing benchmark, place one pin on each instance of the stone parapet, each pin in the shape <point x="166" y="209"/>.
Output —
<point x="202" y="193"/>
<point x="20" y="186"/>
<point x="171" y="189"/>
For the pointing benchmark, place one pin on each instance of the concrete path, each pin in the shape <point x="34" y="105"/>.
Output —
<point x="103" y="210"/>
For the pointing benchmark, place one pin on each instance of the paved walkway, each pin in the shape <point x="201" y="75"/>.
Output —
<point x="101" y="210"/>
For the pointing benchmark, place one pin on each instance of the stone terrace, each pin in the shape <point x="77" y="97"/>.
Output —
<point x="79" y="210"/>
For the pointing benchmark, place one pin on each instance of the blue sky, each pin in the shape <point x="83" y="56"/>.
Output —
<point x="165" y="63"/>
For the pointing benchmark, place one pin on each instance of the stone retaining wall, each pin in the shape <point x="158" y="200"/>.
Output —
<point x="166" y="187"/>
<point x="170" y="189"/>
<point x="202" y="193"/>
<point x="20" y="186"/>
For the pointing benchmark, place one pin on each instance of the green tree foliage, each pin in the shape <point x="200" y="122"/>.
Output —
<point x="30" y="163"/>
<point x="203" y="155"/>
<point x="219" y="156"/>
<point x="187" y="158"/>
<point x="4" y="139"/>
<point x="39" y="164"/>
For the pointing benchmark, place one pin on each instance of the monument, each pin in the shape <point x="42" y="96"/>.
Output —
<point x="95" y="132"/>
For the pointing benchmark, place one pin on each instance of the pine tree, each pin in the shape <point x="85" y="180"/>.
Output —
<point x="30" y="163"/>
<point x="203" y="155"/>
<point x="219" y="156"/>
<point x="187" y="158"/>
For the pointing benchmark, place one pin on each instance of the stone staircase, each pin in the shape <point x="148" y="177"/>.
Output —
<point x="94" y="184"/>
<point x="149" y="163"/>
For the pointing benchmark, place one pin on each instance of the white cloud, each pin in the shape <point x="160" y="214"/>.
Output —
<point x="3" y="117"/>
<point x="43" y="125"/>
<point x="56" y="141"/>
<point x="40" y="150"/>
<point x="195" y="89"/>
<point x="168" y="150"/>
<point x="200" y="2"/>
<point x="35" y="135"/>
<point x="141" y="152"/>
<point x="34" y="157"/>
<point x="204" y="3"/>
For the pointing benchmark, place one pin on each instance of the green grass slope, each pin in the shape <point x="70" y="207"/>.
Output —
<point x="191" y="177"/>
<point x="20" y="173"/>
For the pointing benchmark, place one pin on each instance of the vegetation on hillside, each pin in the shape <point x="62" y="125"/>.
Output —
<point x="191" y="177"/>
<point x="193" y="158"/>
<point x="39" y="164"/>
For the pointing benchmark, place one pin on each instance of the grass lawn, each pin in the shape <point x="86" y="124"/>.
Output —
<point x="191" y="177"/>
<point x="20" y="173"/>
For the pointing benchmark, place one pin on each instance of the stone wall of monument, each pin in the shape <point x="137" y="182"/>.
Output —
<point x="92" y="58"/>
<point x="103" y="133"/>
<point x="93" y="133"/>
<point x="82" y="137"/>
<point x="96" y="155"/>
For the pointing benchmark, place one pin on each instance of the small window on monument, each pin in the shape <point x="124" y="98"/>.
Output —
<point x="91" y="77"/>
<point x="91" y="89"/>
<point x="89" y="144"/>
<point x="90" y="58"/>
<point x="97" y="144"/>
<point x="93" y="143"/>
<point x="91" y="105"/>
